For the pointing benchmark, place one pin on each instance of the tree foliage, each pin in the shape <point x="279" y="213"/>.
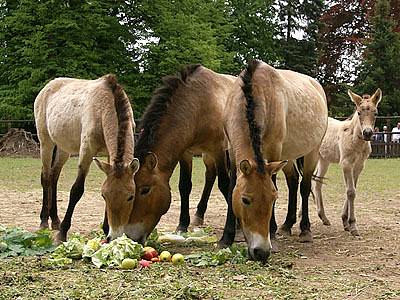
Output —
<point x="342" y="43"/>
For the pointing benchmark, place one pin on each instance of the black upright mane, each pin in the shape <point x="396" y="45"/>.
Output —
<point x="158" y="108"/>
<point x="122" y="105"/>
<point x="255" y="130"/>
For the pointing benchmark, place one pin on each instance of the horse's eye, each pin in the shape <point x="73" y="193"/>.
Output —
<point x="359" y="112"/>
<point x="245" y="201"/>
<point x="103" y="196"/>
<point x="144" y="190"/>
<point x="130" y="198"/>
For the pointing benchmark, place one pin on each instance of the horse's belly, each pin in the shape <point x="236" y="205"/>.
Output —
<point x="65" y="127"/>
<point x="303" y="137"/>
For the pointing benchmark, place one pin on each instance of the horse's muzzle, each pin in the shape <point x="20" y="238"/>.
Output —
<point x="259" y="254"/>
<point x="367" y="134"/>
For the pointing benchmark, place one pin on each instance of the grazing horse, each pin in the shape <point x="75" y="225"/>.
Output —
<point x="86" y="117"/>
<point x="274" y="115"/>
<point x="347" y="143"/>
<point x="184" y="116"/>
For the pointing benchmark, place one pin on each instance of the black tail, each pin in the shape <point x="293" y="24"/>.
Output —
<point x="255" y="130"/>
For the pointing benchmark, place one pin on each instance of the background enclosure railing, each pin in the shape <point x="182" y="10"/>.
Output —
<point x="380" y="149"/>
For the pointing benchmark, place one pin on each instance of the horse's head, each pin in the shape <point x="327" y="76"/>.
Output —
<point x="152" y="200"/>
<point x="366" y="108"/>
<point x="253" y="198"/>
<point x="118" y="191"/>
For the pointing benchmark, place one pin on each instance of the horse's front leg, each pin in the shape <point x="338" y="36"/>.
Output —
<point x="185" y="188"/>
<point x="85" y="159"/>
<point x="348" y="215"/>
<point x="292" y="181"/>
<point x="228" y="235"/>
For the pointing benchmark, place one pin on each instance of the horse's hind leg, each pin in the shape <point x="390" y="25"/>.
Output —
<point x="185" y="188"/>
<point x="211" y="174"/>
<point x="85" y="159"/>
<point x="59" y="160"/>
<point x="310" y="162"/>
<point x="292" y="181"/>
<point x="46" y="154"/>
<point x="322" y="168"/>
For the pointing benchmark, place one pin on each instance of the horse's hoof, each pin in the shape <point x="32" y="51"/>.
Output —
<point x="224" y="244"/>
<point x="197" y="221"/>
<point x="354" y="231"/>
<point x="55" y="225"/>
<point x="181" y="229"/>
<point x="44" y="225"/>
<point x="305" y="237"/>
<point x="285" y="230"/>
<point x="60" y="237"/>
<point x="274" y="248"/>
<point x="324" y="219"/>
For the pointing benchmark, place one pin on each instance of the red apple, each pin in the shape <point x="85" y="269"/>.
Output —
<point x="155" y="259"/>
<point x="149" y="253"/>
<point x="104" y="241"/>
<point x="145" y="263"/>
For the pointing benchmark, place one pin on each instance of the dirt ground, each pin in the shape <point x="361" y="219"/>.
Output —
<point x="335" y="258"/>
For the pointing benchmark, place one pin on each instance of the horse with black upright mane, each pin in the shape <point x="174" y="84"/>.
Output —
<point x="271" y="115"/>
<point x="184" y="117"/>
<point x="86" y="117"/>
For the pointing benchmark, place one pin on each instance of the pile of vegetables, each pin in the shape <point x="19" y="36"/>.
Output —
<point x="120" y="253"/>
<point x="16" y="241"/>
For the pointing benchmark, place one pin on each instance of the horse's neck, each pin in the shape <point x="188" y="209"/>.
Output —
<point x="172" y="142"/>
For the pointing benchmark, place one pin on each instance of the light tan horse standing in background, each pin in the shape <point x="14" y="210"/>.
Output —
<point x="86" y="117"/>
<point x="271" y="115"/>
<point x="347" y="143"/>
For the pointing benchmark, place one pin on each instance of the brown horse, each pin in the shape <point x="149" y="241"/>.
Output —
<point x="86" y="117"/>
<point x="183" y="117"/>
<point x="271" y="114"/>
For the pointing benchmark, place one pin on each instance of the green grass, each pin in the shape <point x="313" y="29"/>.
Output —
<point x="335" y="266"/>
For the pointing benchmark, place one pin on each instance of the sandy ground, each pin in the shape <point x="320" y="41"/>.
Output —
<point x="371" y="261"/>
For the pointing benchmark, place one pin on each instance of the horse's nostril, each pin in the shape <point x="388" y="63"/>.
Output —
<point x="108" y="238"/>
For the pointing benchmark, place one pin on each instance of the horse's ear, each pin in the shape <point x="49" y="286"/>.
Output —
<point x="245" y="167"/>
<point x="134" y="165"/>
<point x="105" y="167"/>
<point x="354" y="97"/>
<point x="151" y="161"/>
<point x="275" y="166"/>
<point x="377" y="97"/>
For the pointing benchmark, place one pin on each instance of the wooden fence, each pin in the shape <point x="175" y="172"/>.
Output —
<point x="380" y="149"/>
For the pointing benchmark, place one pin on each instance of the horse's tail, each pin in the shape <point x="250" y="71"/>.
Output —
<point x="123" y="110"/>
<point x="254" y="128"/>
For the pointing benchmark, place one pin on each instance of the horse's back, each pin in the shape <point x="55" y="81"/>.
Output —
<point x="208" y="91"/>
<point x="66" y="106"/>
<point x="296" y="104"/>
